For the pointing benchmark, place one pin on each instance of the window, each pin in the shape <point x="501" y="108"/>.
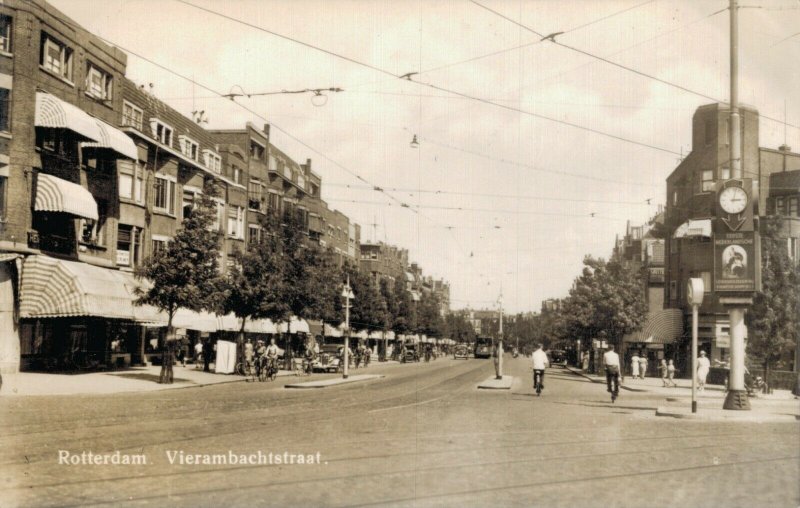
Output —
<point x="791" y="206"/>
<point x="706" y="276"/>
<point x="708" y="180"/>
<point x="5" y="109"/>
<point x="791" y="244"/>
<point x="237" y="175"/>
<point x="159" y="244"/>
<point x="132" y="116"/>
<point x="128" y="241"/>
<point x="253" y="234"/>
<point x="236" y="222"/>
<point x="189" y="147"/>
<point x="274" y="203"/>
<point x="93" y="231"/>
<point x="257" y="150"/>
<point x="131" y="181"/>
<point x="188" y="204"/>
<point x="779" y="206"/>
<point x="3" y="185"/>
<point x="273" y="163"/>
<point x="98" y="83"/>
<point x="674" y="198"/>
<point x="164" y="194"/>
<point x="710" y="131"/>
<point x="5" y="33"/>
<point x="220" y="215"/>
<point x="254" y="195"/>
<point x="161" y="131"/>
<point x="726" y="174"/>
<point x="56" y="57"/>
<point x="212" y="161"/>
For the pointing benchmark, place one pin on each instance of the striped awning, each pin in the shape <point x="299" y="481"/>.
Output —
<point x="54" y="113"/>
<point x="57" y="195"/>
<point x="297" y="326"/>
<point x="52" y="287"/>
<point x="8" y="256"/>
<point x="661" y="327"/>
<point x="115" y="139"/>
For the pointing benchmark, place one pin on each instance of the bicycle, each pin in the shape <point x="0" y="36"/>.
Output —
<point x="246" y="369"/>
<point x="612" y="381"/>
<point x="538" y="375"/>
<point x="302" y="367"/>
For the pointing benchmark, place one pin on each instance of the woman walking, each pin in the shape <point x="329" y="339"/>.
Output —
<point x="643" y="366"/>
<point x="664" y="371"/>
<point x="671" y="374"/>
<point x="635" y="365"/>
<point x="703" y="366"/>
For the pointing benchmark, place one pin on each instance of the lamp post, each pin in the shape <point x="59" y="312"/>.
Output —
<point x="347" y="294"/>
<point x="694" y="295"/>
<point x="500" y="339"/>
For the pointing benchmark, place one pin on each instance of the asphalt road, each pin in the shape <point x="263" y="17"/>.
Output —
<point x="421" y="436"/>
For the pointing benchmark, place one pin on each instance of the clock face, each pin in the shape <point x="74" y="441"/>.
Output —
<point x="733" y="200"/>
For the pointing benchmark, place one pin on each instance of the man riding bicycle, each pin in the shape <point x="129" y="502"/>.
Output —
<point x="613" y="376"/>
<point x="540" y="363"/>
<point x="272" y="354"/>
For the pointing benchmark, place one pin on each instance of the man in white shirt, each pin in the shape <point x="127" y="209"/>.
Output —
<point x="611" y="362"/>
<point x="540" y="363"/>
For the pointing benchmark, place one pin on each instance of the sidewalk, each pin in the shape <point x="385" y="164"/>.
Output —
<point x="683" y="390"/>
<point x="135" y="379"/>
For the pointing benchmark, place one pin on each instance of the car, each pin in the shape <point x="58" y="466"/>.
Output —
<point x="461" y="351"/>
<point x="558" y="356"/>
<point x="483" y="347"/>
<point x="328" y="359"/>
<point x="410" y="353"/>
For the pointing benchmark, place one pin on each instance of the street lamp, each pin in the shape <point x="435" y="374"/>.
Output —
<point x="414" y="142"/>
<point x="695" y="290"/>
<point x="347" y="294"/>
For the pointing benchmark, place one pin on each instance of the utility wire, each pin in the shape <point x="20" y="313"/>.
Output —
<point x="552" y="38"/>
<point x="408" y="76"/>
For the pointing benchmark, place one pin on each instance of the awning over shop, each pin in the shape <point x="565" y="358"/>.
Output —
<point x="115" y="139"/>
<point x="296" y="326"/>
<point x="8" y="256"/>
<point x="260" y="326"/>
<point x="57" y="195"/>
<point x="52" y="287"/>
<point x="315" y="326"/>
<point x="693" y="228"/>
<point x="54" y="113"/>
<point x="661" y="327"/>
<point x="199" y="321"/>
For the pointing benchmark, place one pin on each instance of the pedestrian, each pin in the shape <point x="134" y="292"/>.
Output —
<point x="249" y="353"/>
<point x="198" y="353"/>
<point x="671" y="374"/>
<point x="585" y="361"/>
<point x="643" y="366"/>
<point x="181" y="352"/>
<point x="206" y="357"/>
<point x="613" y="373"/>
<point x="664" y="371"/>
<point x="635" y="365"/>
<point x="703" y="366"/>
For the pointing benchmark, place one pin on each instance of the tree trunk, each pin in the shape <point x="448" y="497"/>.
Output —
<point x="766" y="375"/>
<point x="287" y="356"/>
<point x="240" y="347"/>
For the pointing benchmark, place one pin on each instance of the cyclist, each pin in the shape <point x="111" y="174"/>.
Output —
<point x="540" y="363"/>
<point x="272" y="354"/>
<point x="611" y="362"/>
<point x="248" y="355"/>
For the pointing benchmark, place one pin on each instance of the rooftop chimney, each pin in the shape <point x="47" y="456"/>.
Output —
<point x="266" y="130"/>
<point x="785" y="148"/>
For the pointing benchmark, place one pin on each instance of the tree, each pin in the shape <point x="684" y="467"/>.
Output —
<point x="775" y="315"/>
<point x="367" y="309"/>
<point x="185" y="274"/>
<point x="323" y="288"/>
<point x="459" y="328"/>
<point x="430" y="321"/>
<point x="404" y="320"/>
<point x="254" y="285"/>
<point x="606" y="300"/>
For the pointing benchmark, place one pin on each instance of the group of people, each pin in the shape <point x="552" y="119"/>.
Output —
<point x="260" y="353"/>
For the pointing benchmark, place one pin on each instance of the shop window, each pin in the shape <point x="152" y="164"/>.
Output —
<point x="98" y="83"/>
<point x="5" y="33"/>
<point x="128" y="242"/>
<point x="56" y="57"/>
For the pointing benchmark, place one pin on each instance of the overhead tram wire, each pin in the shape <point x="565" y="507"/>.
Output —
<point x="552" y="38"/>
<point x="436" y="87"/>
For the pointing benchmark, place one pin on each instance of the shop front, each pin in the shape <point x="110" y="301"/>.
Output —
<point x="656" y="341"/>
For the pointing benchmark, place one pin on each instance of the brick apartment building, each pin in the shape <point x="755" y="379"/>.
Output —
<point x="690" y="212"/>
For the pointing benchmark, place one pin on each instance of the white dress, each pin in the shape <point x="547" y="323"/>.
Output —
<point x="703" y="366"/>
<point x="635" y="366"/>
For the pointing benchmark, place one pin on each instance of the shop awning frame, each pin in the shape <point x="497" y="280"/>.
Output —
<point x="662" y="327"/>
<point x="694" y="228"/>
<point x="114" y="139"/>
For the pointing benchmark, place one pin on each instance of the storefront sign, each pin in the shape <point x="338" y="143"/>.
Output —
<point x="723" y="341"/>
<point x="735" y="262"/>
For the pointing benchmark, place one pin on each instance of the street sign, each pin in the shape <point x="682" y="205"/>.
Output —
<point x="735" y="262"/>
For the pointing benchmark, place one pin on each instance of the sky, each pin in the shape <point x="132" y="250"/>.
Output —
<point x="499" y="201"/>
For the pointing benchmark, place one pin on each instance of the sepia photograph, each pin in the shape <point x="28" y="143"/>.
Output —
<point x="399" y="253"/>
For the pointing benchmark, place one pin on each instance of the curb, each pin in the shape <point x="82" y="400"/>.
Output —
<point x="493" y="383"/>
<point x="326" y="383"/>
<point x="733" y="416"/>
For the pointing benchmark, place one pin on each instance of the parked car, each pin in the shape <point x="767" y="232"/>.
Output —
<point x="558" y="356"/>
<point x="411" y="353"/>
<point x="329" y="359"/>
<point x="461" y="351"/>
